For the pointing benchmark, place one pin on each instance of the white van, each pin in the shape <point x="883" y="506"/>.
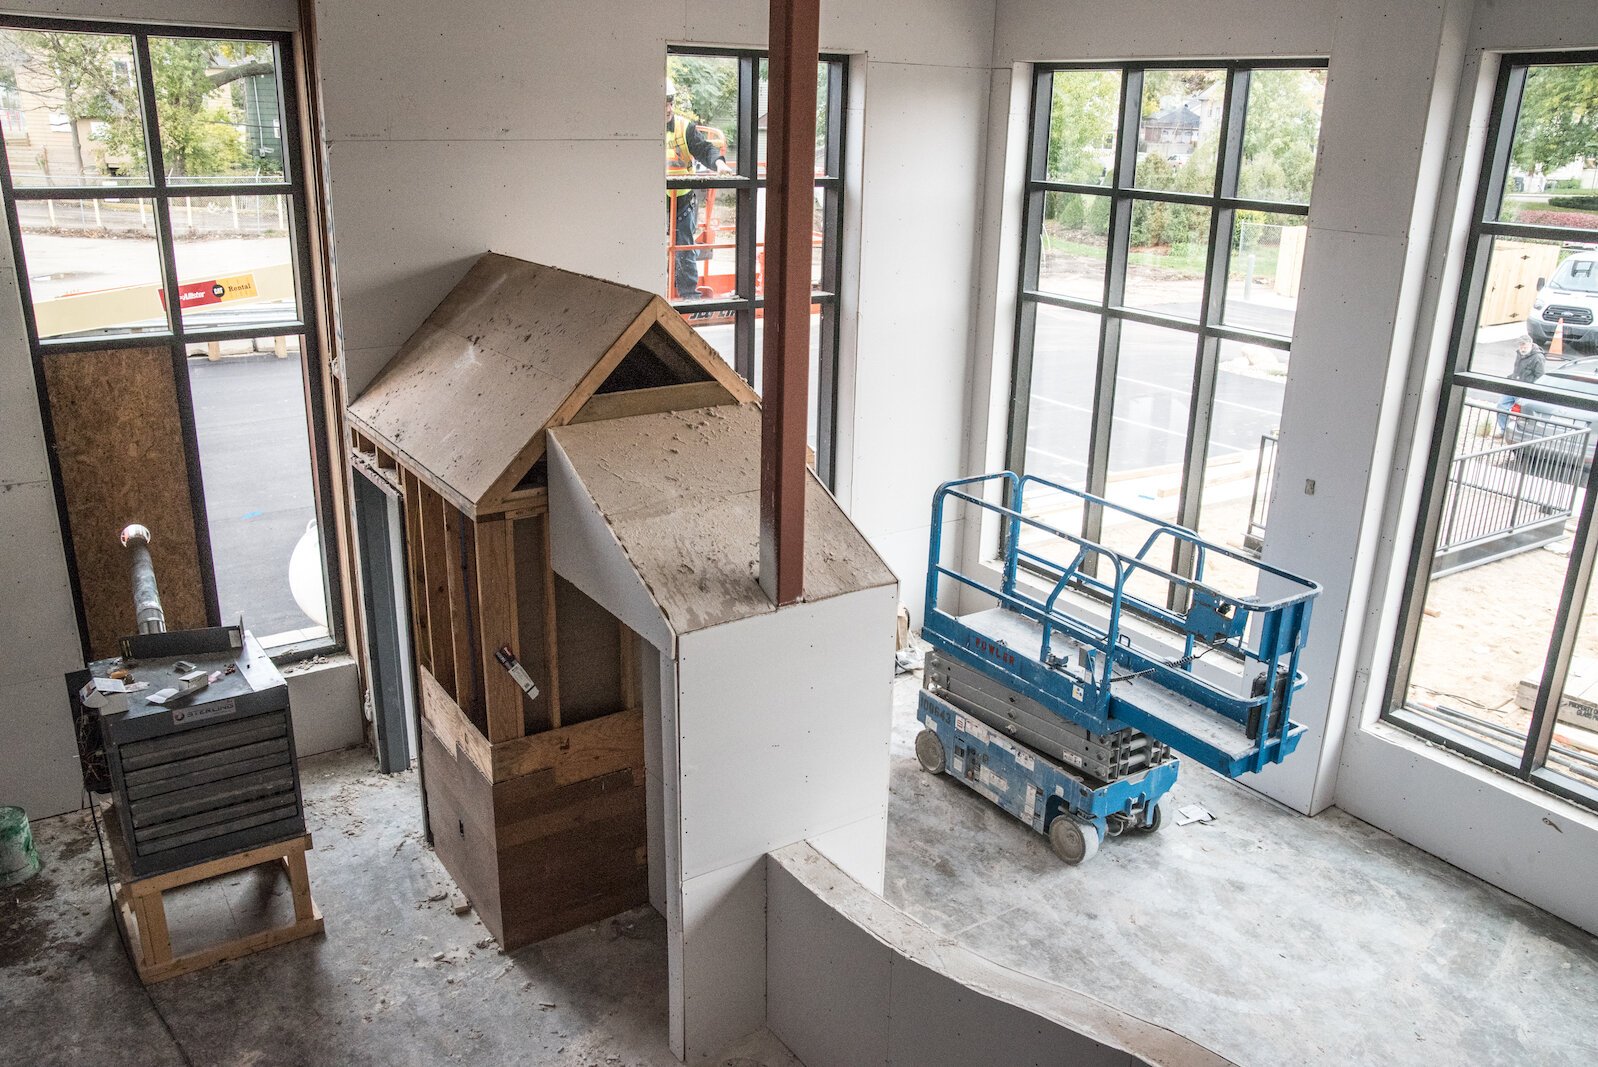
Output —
<point x="1571" y="297"/>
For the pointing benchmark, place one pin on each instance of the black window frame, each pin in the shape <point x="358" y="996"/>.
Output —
<point x="293" y="186"/>
<point x="747" y="184"/>
<point x="1458" y="380"/>
<point x="1122" y="193"/>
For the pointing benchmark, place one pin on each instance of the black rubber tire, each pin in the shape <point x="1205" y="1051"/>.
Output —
<point x="1154" y="823"/>
<point x="1072" y="841"/>
<point x="929" y="752"/>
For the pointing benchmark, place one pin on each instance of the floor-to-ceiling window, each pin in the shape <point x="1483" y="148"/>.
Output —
<point x="157" y="207"/>
<point x="1498" y="656"/>
<point x="716" y="213"/>
<point x="1165" y="226"/>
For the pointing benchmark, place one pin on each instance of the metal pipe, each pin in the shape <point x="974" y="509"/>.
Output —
<point x="147" y="608"/>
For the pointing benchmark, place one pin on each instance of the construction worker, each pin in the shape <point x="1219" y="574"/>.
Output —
<point x="685" y="146"/>
<point x="1529" y="366"/>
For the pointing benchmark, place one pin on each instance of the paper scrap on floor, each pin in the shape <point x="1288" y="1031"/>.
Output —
<point x="1193" y="813"/>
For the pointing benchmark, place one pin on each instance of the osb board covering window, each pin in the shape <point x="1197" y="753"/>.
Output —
<point x="119" y="442"/>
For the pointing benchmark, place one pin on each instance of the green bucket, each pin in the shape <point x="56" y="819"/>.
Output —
<point x="19" y="860"/>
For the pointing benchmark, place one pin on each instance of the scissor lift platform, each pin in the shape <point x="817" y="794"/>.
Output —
<point x="1071" y="702"/>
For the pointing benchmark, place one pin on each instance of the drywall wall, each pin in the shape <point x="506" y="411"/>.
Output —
<point x="1499" y="829"/>
<point x="38" y="625"/>
<point x="453" y="129"/>
<point x="783" y="724"/>
<point x="896" y="993"/>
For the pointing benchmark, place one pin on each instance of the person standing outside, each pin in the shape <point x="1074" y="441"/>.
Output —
<point x="1529" y="366"/>
<point x="685" y="146"/>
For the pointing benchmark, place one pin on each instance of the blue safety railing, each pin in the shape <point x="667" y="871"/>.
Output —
<point x="1268" y="634"/>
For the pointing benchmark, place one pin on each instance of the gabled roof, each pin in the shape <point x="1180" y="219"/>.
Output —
<point x="515" y="348"/>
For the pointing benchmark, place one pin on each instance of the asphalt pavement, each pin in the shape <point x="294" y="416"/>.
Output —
<point x="249" y="414"/>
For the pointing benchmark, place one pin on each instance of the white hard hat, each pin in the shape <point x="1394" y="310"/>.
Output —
<point x="671" y="86"/>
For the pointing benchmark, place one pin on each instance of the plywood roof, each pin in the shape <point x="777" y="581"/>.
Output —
<point x="514" y="348"/>
<point x="681" y="492"/>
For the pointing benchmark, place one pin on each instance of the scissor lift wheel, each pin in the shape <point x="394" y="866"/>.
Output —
<point x="929" y="752"/>
<point x="1074" y="842"/>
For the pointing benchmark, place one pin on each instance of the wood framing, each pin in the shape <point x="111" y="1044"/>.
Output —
<point x="141" y="905"/>
<point x="536" y="804"/>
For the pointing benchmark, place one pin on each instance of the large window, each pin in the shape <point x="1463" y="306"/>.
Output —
<point x="1499" y="654"/>
<point x="716" y="215"/>
<point x="155" y="203"/>
<point x="1164" y="234"/>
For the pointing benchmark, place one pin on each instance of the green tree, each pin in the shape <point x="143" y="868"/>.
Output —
<point x="1280" y="133"/>
<point x="199" y="132"/>
<point x="1082" y="117"/>
<point x="72" y="71"/>
<point x="1558" y="116"/>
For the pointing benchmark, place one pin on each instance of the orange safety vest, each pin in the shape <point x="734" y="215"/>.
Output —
<point x="679" y="161"/>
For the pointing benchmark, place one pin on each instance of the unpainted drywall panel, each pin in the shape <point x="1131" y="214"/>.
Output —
<point x="916" y="251"/>
<point x="414" y="215"/>
<point x="859" y="849"/>
<point x="943" y="1004"/>
<point x="38" y="754"/>
<point x="841" y="1020"/>
<point x="1343" y="351"/>
<point x="724" y="958"/>
<point x="1530" y="844"/>
<point x="584" y="550"/>
<point x="1523" y="27"/>
<point x="1028" y="30"/>
<point x="511" y="78"/>
<point x="784" y="723"/>
<point x="942" y="32"/>
<point x="930" y="1025"/>
<point x="906" y="552"/>
<point x="325" y="699"/>
<point x="36" y="618"/>
<point x="1376" y="120"/>
<point x="671" y="851"/>
<point x="246" y="14"/>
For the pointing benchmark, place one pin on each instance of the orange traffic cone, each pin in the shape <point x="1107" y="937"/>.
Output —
<point x="1556" y="347"/>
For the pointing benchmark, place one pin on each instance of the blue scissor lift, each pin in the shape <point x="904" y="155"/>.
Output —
<point x="1065" y="702"/>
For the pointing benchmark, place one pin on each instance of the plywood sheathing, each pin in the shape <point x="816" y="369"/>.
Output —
<point x="513" y="348"/>
<point x="122" y="460"/>
<point x="680" y="490"/>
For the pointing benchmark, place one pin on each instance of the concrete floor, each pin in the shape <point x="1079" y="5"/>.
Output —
<point x="1271" y="938"/>
<point x="368" y="992"/>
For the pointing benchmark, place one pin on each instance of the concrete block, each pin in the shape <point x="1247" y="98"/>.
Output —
<point x="325" y="699"/>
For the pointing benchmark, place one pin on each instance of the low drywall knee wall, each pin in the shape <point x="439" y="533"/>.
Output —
<point x="851" y="981"/>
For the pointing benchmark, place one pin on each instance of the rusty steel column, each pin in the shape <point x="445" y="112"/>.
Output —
<point x="790" y="181"/>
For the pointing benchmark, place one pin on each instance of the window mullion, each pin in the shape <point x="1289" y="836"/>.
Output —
<point x="160" y="205"/>
<point x="1567" y="627"/>
<point x="746" y="205"/>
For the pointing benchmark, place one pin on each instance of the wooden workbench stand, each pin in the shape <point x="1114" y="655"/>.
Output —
<point x="141" y="911"/>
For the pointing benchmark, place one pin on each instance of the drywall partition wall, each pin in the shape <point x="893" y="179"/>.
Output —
<point x="1525" y="841"/>
<point x="895" y="993"/>
<point x="1362" y="279"/>
<point x="38" y="625"/>
<point x="773" y="725"/>
<point x="455" y="128"/>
